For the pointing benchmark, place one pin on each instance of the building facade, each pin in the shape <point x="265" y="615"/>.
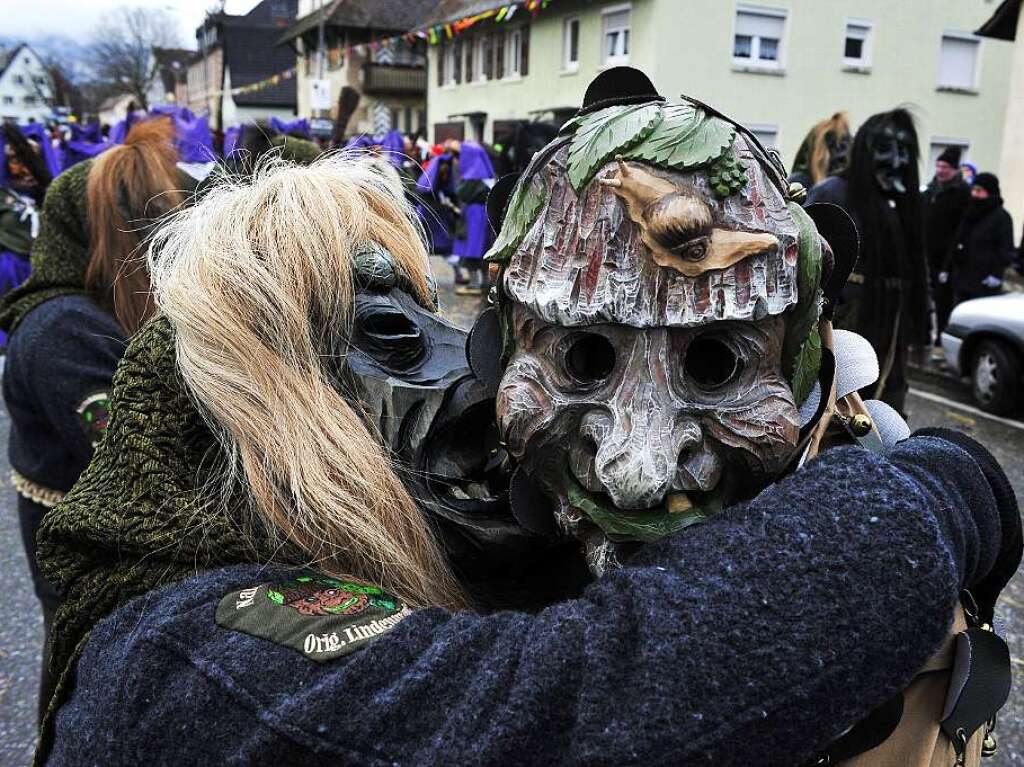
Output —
<point x="1007" y="24"/>
<point x="390" y="79"/>
<point x="242" y="50"/>
<point x="778" y="66"/>
<point x="25" y="92"/>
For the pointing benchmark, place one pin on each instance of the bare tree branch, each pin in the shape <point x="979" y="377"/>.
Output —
<point x="122" y="48"/>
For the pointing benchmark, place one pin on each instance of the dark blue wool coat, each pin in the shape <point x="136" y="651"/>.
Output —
<point x="753" y="639"/>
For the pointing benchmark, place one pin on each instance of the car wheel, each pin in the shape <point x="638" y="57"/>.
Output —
<point x="995" y="376"/>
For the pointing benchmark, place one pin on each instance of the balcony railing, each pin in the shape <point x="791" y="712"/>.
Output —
<point x="394" y="79"/>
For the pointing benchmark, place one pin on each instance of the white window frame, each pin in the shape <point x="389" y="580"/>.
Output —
<point x="867" y="50"/>
<point x="479" y="77"/>
<point x="449" y="65"/>
<point x="963" y="144"/>
<point x="958" y="34"/>
<point x="755" y="61"/>
<point x="513" y="54"/>
<point x="619" y="60"/>
<point x="756" y="128"/>
<point x="567" y="64"/>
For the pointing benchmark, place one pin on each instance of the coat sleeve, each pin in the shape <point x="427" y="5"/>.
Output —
<point x="67" y="369"/>
<point x="755" y="638"/>
<point x="1003" y="248"/>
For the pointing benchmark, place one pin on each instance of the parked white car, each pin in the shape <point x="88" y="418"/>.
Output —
<point x="985" y="341"/>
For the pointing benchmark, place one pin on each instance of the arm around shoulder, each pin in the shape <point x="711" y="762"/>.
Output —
<point x="797" y="612"/>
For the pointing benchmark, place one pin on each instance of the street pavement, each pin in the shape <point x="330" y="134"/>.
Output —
<point x="931" y="403"/>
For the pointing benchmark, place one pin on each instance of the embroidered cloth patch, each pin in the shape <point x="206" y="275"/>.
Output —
<point x="94" y="415"/>
<point x="320" y="616"/>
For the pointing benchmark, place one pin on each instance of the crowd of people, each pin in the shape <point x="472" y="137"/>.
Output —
<point x="653" y="508"/>
<point x="924" y="249"/>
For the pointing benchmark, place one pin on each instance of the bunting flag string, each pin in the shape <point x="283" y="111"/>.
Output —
<point x="440" y="33"/>
<point x="260" y="85"/>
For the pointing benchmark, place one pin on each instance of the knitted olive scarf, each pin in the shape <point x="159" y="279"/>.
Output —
<point x="135" y="520"/>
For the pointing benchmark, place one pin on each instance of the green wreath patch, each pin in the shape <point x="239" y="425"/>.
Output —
<point x="320" y="616"/>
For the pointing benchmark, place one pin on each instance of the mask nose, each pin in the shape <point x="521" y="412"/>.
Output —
<point x="636" y="450"/>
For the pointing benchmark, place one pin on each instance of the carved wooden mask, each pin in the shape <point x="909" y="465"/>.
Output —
<point x="647" y="306"/>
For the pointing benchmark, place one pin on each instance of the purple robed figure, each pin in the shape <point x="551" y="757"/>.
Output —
<point x="77" y="150"/>
<point x="38" y="133"/>
<point x="436" y="207"/>
<point x="119" y="131"/>
<point x="393" y="147"/>
<point x="476" y="177"/>
<point x="362" y="141"/>
<point x="231" y="138"/>
<point x="193" y="138"/>
<point x="298" y="127"/>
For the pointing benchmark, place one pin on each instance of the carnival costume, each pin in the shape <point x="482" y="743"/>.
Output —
<point x="473" y="232"/>
<point x="800" y="617"/>
<point x="886" y="298"/>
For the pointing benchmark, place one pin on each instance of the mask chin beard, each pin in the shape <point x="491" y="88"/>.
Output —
<point x="891" y="183"/>
<point x="611" y="535"/>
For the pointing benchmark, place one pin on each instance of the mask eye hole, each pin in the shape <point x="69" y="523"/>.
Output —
<point x="590" y="358"/>
<point x="385" y="324"/>
<point x="710" y="363"/>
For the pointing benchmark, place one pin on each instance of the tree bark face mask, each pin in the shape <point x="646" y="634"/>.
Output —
<point x="659" y="299"/>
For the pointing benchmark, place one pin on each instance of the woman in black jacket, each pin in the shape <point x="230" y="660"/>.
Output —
<point x="984" y="243"/>
<point x="69" y="323"/>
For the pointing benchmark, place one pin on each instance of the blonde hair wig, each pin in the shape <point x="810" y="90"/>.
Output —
<point x="258" y="282"/>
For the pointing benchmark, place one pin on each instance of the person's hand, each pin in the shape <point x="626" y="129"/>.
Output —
<point x="992" y="282"/>
<point x="943" y="278"/>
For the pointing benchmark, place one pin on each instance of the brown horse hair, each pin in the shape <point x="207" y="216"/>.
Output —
<point x="130" y="189"/>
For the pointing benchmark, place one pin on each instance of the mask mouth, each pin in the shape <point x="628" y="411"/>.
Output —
<point x="677" y="511"/>
<point x="463" y="471"/>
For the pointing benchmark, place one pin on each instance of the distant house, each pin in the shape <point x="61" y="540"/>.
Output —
<point x="170" y="77"/>
<point x="390" y="80"/>
<point x="242" y="50"/>
<point x="25" y="92"/>
<point x="116" y="108"/>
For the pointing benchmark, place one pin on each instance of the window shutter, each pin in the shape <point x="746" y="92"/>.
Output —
<point x="957" y="62"/>
<point x="524" y="59"/>
<point x="457" y="61"/>
<point x="485" y="57"/>
<point x="760" y="25"/>
<point x="470" y="50"/>
<point x="440" y="65"/>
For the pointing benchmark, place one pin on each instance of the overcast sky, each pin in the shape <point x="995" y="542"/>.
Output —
<point x="77" y="18"/>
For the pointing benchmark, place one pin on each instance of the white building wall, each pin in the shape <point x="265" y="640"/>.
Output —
<point x="25" y="88"/>
<point x="686" y="46"/>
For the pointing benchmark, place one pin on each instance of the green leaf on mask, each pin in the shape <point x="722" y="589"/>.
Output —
<point x="605" y="134"/>
<point x="526" y="203"/>
<point x="685" y="138"/>
<point x="806" y="366"/>
<point x="622" y="526"/>
<point x="801" y="350"/>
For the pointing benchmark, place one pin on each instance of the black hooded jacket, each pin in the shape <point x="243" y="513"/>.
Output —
<point x="945" y="204"/>
<point x="983" y="248"/>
